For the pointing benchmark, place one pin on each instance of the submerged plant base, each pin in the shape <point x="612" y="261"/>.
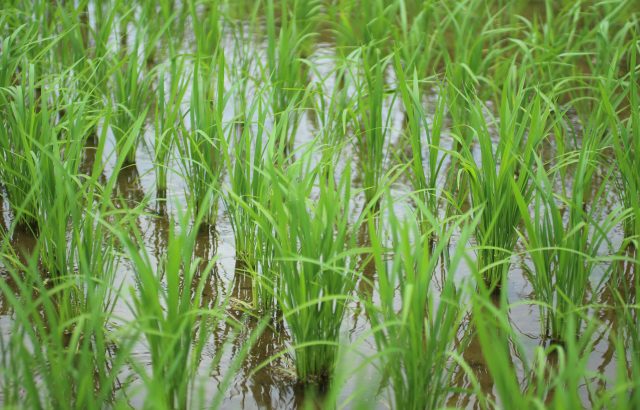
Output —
<point x="208" y="229"/>
<point x="161" y="194"/>
<point x="29" y="227"/>
<point x="312" y="393"/>
<point x="556" y="343"/>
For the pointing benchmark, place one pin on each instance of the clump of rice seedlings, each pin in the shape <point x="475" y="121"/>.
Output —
<point x="29" y="145"/>
<point x="306" y="14"/>
<point x="552" y="378"/>
<point x="625" y="140"/>
<point x="156" y="33"/>
<point x="557" y="264"/>
<point x="371" y="122"/>
<point x="609" y="35"/>
<point x="206" y="28"/>
<point x="61" y="351"/>
<point x="564" y="236"/>
<point x="248" y="186"/>
<point x="169" y="317"/>
<point x="312" y="243"/>
<point x="100" y="56"/>
<point x="625" y="393"/>
<point x="331" y="101"/>
<point x="61" y="361"/>
<point x="168" y="116"/>
<point x="475" y="42"/>
<point x="130" y="96"/>
<point x="546" y="43"/>
<point x="201" y="145"/>
<point x="422" y="137"/>
<point x="503" y="169"/>
<point x="355" y="25"/>
<point x="14" y="46"/>
<point x="248" y="203"/>
<point x="469" y="58"/>
<point x="418" y="50"/>
<point x="59" y="185"/>
<point x="73" y="34"/>
<point x="629" y="336"/>
<point x="285" y="70"/>
<point x="415" y="326"/>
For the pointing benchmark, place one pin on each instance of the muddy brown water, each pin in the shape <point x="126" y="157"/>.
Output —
<point x="274" y="385"/>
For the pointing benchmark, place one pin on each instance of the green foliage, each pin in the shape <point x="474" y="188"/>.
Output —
<point x="313" y="257"/>
<point x="415" y="327"/>
<point x="503" y="174"/>
<point x="356" y="147"/>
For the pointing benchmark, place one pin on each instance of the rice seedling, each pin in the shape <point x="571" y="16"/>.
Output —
<point x="371" y="122"/>
<point x="415" y="20"/>
<point x="61" y="189"/>
<point x="74" y="40"/>
<point x="357" y="26"/>
<point x="564" y="245"/>
<point x="422" y="137"/>
<point x="503" y="170"/>
<point x="331" y="102"/>
<point x="249" y="156"/>
<point x="307" y="16"/>
<point x="552" y="376"/>
<point x="130" y="97"/>
<point x="200" y="146"/>
<point x="168" y="116"/>
<point x="167" y="316"/>
<point x="629" y="339"/>
<point x="62" y="360"/>
<point x="29" y="145"/>
<point x="207" y="30"/>
<point x="415" y="328"/>
<point x="63" y="352"/>
<point x="285" y="70"/>
<point x="625" y="137"/>
<point x="312" y="247"/>
<point x="246" y="165"/>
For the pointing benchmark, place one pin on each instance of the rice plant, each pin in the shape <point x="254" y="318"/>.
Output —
<point x="422" y="137"/>
<point x="68" y="361"/>
<point x="246" y="164"/>
<point x="32" y="143"/>
<point x="503" y="169"/>
<point x="626" y="143"/>
<point x="285" y="70"/>
<point x="312" y="245"/>
<point x="415" y="327"/>
<point x="564" y="240"/>
<point x="63" y="347"/>
<point x="200" y="144"/>
<point x="170" y="318"/>
<point x="552" y="375"/>
<point x="130" y="96"/>
<point x="371" y="121"/>
<point x="627" y="301"/>
<point x="168" y="116"/>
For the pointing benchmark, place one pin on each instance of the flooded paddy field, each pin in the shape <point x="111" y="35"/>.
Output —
<point x="319" y="204"/>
